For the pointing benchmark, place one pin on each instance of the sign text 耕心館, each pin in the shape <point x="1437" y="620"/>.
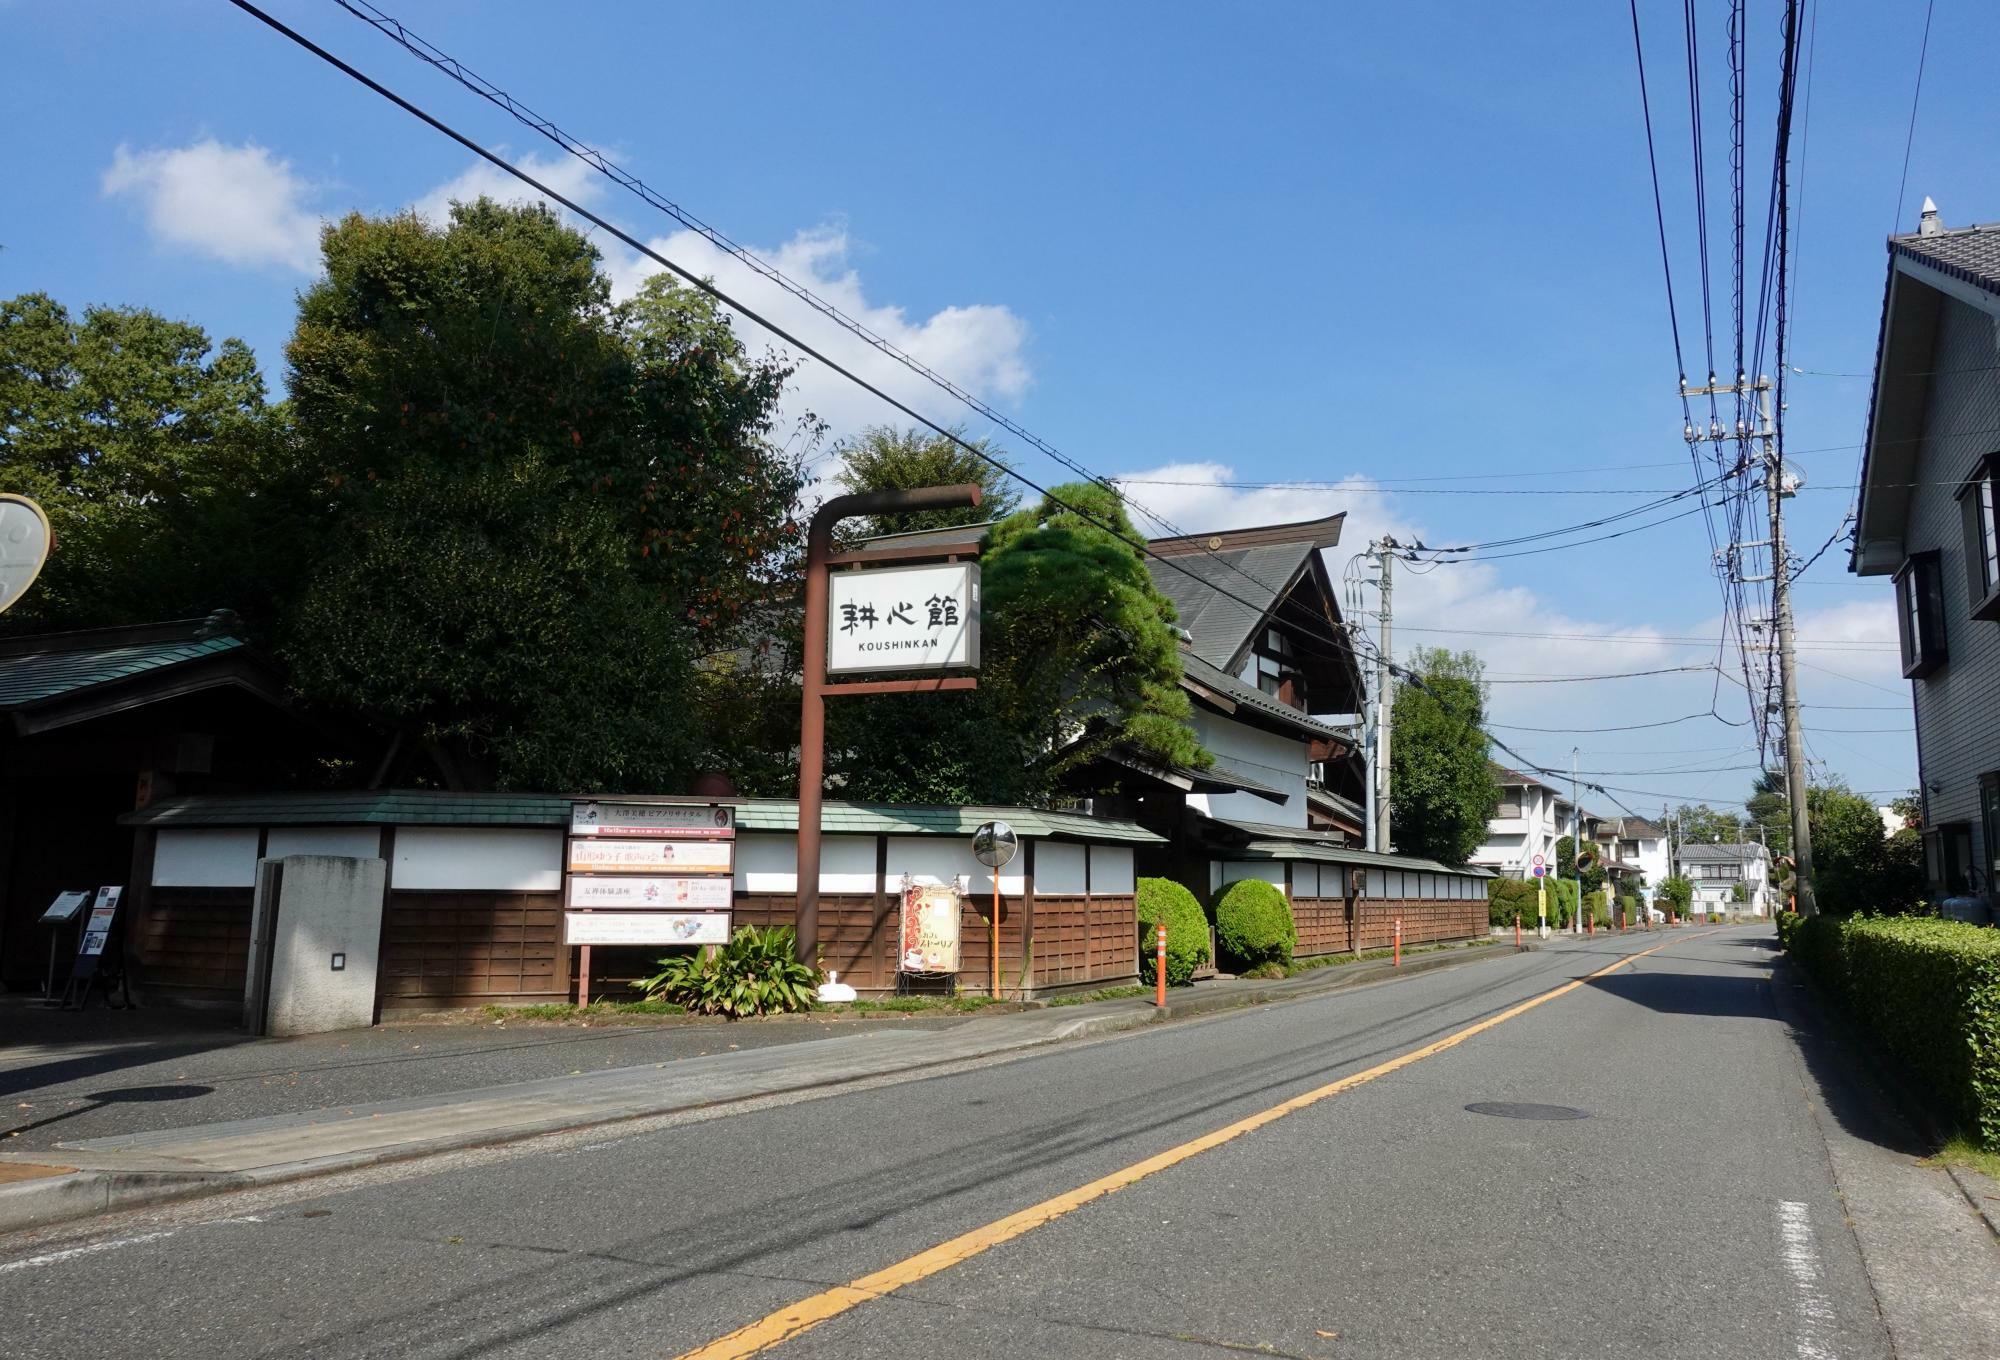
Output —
<point x="903" y="618"/>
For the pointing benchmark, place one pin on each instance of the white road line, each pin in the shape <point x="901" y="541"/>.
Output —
<point x="57" y="1257"/>
<point x="1801" y="1255"/>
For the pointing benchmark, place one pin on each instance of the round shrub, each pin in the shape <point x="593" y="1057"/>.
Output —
<point x="1187" y="930"/>
<point x="1253" y="924"/>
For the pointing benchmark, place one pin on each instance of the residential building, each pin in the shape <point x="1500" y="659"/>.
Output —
<point x="1719" y="870"/>
<point x="1929" y="519"/>
<point x="1636" y="848"/>
<point x="1531" y="818"/>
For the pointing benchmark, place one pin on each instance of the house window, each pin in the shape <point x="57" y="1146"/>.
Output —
<point x="1920" y="615"/>
<point x="1278" y="670"/>
<point x="1989" y="817"/>
<point x="1979" y="500"/>
<point x="1948" y="855"/>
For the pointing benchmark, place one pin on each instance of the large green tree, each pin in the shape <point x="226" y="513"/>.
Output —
<point x="538" y="508"/>
<point x="886" y="458"/>
<point x="1850" y="852"/>
<point x="1078" y="655"/>
<point x="1700" y="824"/>
<point x="1770" y="809"/>
<point x="1442" y="789"/>
<point x="164" y="471"/>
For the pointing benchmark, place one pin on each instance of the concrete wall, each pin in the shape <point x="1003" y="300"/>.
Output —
<point x="1275" y="761"/>
<point x="329" y="905"/>
<point x="1958" y="705"/>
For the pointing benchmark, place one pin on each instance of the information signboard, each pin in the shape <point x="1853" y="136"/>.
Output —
<point x="903" y="618"/>
<point x="711" y="893"/>
<point x="65" y="907"/>
<point x="672" y="821"/>
<point x="646" y="927"/>
<point x="929" y="936"/>
<point x="595" y="855"/>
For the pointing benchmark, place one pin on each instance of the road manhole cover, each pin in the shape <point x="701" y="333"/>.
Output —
<point x="1509" y="1109"/>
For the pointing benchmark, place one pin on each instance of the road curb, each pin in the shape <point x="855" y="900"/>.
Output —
<point x="89" y="1192"/>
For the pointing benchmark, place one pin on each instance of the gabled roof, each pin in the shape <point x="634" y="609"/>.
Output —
<point x="1639" y="829"/>
<point x="53" y="679"/>
<point x="1968" y="254"/>
<point x="1927" y="269"/>
<point x="1214" y="593"/>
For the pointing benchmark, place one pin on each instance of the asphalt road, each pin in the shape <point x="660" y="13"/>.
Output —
<point x="1691" y="1211"/>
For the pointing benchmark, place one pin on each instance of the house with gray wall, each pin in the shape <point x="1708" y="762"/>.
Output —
<point x="1929" y="520"/>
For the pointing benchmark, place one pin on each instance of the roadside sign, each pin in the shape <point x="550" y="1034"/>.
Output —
<point x="1541" y="870"/>
<point x="1539" y="861"/>
<point x="593" y="856"/>
<point x="676" y="894"/>
<point x="690" y="821"/>
<point x="903" y="618"/>
<point x="646" y="927"/>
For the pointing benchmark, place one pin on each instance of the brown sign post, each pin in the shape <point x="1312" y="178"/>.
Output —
<point x="820" y="559"/>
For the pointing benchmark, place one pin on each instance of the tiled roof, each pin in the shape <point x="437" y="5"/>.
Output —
<point x="1970" y="254"/>
<point x="33" y="676"/>
<point x="1639" y="829"/>
<point x="1209" y="589"/>
<point x="423" y="808"/>
<point x="1214" y="678"/>
<point x="1725" y="852"/>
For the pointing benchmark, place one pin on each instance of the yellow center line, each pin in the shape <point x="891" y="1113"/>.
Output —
<point x="798" y="1318"/>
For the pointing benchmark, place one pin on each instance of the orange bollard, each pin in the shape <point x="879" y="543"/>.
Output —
<point x="1517" y="930"/>
<point x="1160" y="964"/>
<point x="1399" y="942"/>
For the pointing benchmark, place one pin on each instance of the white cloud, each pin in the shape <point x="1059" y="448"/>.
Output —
<point x="241" y="205"/>
<point x="982" y="347"/>
<point x="566" y="175"/>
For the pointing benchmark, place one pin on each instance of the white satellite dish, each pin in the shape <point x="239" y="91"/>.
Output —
<point x="24" y="546"/>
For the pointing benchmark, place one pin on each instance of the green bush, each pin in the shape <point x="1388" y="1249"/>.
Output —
<point x="1629" y="905"/>
<point x="1505" y="896"/>
<point x="1678" y="889"/>
<point x="756" y="973"/>
<point x="1929" y="990"/>
<point x="1187" y="930"/>
<point x="1253" y="924"/>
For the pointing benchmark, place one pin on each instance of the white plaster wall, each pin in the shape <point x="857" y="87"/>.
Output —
<point x="206" y="858"/>
<point x="489" y="859"/>
<point x="938" y="859"/>
<point x="769" y="863"/>
<point x="1110" y="871"/>
<point x="1271" y="871"/>
<point x="1058" y="868"/>
<point x="1276" y="761"/>
<point x="360" y="842"/>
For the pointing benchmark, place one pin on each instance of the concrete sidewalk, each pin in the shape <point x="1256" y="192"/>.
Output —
<point x="148" y="1165"/>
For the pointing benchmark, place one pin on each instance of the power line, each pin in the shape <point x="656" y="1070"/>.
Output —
<point x="1529" y="679"/>
<point x="1916" y="97"/>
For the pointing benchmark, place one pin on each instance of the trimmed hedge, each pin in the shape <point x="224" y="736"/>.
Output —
<point x="1929" y="989"/>
<point x="1187" y="930"/>
<point x="1253" y="924"/>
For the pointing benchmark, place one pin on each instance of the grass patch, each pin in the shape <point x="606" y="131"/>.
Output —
<point x="1107" y="994"/>
<point x="908" y="1005"/>
<point x="1962" y="1151"/>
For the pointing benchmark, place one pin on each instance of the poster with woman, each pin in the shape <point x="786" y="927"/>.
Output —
<point x="929" y="940"/>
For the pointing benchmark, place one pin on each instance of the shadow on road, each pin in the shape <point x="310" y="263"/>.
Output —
<point x="1747" y="996"/>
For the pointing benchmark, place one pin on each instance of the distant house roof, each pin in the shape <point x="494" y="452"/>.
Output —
<point x="1639" y="829"/>
<point x="407" y="807"/>
<point x="1725" y="852"/>
<point x="51" y="680"/>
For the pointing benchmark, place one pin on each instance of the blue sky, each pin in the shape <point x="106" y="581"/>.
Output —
<point x="1343" y="245"/>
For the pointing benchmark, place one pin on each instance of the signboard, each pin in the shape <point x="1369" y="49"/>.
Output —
<point x="1540" y="869"/>
<point x="596" y="856"/>
<point x="646" y="927"/>
<point x="903" y="619"/>
<point x="65" y="907"/>
<point x="685" y="894"/>
<point x="97" y="930"/>
<point x="672" y="821"/>
<point x="929" y="936"/>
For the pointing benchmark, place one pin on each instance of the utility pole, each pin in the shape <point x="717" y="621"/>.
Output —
<point x="1576" y="843"/>
<point x="1383" y="550"/>
<point x="1781" y="603"/>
